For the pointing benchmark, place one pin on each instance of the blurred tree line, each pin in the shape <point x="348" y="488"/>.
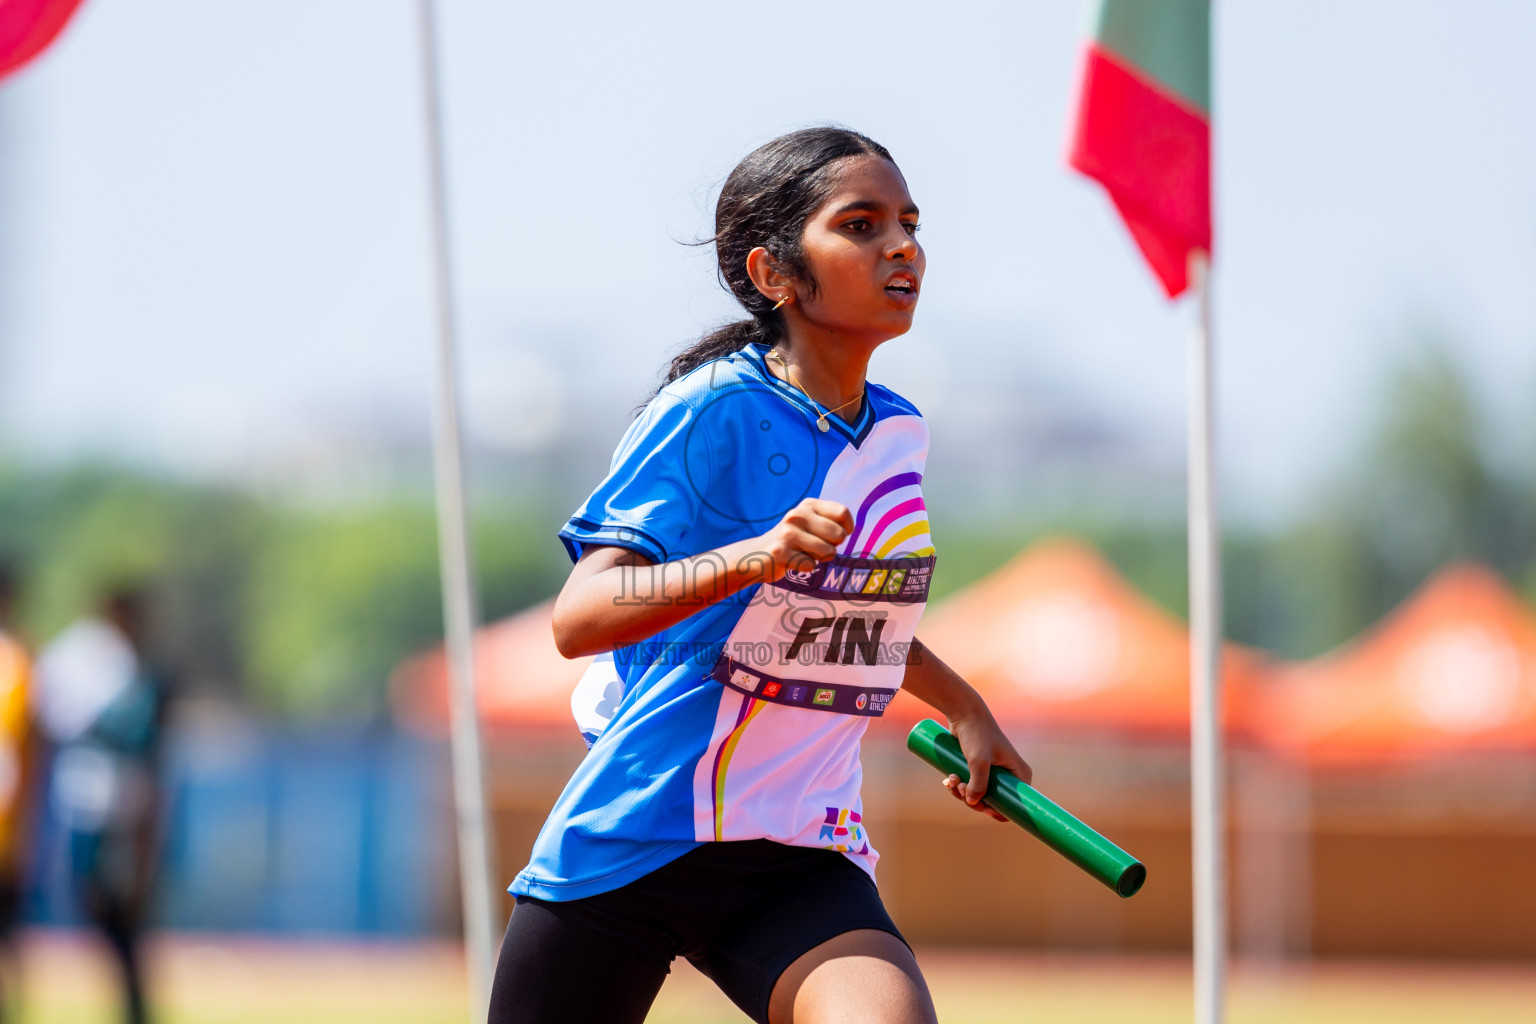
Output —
<point x="303" y="609"/>
<point x="296" y="609"/>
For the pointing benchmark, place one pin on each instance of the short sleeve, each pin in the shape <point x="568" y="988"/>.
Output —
<point x="648" y="502"/>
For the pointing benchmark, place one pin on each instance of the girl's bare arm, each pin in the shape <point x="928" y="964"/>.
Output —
<point x="981" y="740"/>
<point x="615" y="596"/>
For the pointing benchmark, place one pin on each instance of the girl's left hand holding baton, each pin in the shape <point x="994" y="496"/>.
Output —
<point x="981" y="739"/>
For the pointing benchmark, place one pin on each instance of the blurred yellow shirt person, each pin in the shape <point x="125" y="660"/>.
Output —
<point x="15" y="677"/>
<point x="15" y="751"/>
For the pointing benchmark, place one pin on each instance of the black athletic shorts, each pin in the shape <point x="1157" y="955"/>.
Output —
<point x="741" y="912"/>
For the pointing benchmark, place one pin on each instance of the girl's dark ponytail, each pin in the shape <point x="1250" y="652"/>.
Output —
<point x="766" y="201"/>
<point x="720" y="342"/>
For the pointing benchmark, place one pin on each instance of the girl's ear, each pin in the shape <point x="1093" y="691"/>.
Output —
<point x="765" y="274"/>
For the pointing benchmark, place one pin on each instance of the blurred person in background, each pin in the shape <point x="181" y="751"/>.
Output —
<point x="15" y="673"/>
<point x="102" y="706"/>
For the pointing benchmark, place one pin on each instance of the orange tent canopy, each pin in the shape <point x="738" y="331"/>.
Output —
<point x="1057" y="637"/>
<point x="521" y="680"/>
<point x="1451" y="669"/>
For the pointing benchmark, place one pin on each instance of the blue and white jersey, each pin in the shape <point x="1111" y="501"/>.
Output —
<point x="742" y="721"/>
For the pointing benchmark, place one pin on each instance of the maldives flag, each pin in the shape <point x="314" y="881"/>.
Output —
<point x="1143" y="125"/>
<point x="27" y="27"/>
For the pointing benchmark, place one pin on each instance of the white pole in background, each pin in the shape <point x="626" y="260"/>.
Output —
<point x="1206" y="761"/>
<point x="459" y="612"/>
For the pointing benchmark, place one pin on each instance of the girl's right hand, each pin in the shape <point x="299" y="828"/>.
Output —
<point x="810" y="532"/>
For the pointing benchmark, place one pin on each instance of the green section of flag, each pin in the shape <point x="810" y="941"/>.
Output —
<point x="1168" y="41"/>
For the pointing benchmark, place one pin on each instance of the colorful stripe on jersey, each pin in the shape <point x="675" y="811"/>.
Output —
<point x="868" y="701"/>
<point x="881" y="540"/>
<point x="749" y="710"/>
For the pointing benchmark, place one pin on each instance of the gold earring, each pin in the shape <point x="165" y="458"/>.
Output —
<point x="781" y="302"/>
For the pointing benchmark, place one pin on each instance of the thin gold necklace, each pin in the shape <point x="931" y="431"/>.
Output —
<point x="821" y="419"/>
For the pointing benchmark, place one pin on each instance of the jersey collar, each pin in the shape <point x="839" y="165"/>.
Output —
<point x="855" y="431"/>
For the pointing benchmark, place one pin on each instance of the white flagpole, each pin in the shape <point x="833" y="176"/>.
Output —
<point x="459" y="612"/>
<point x="1206" y="760"/>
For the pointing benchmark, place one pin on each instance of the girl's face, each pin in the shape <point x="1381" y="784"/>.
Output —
<point x="861" y="249"/>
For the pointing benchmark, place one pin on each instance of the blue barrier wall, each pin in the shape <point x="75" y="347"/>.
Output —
<point x="327" y="831"/>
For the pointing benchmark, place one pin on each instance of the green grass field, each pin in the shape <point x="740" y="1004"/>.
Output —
<point x="216" y="980"/>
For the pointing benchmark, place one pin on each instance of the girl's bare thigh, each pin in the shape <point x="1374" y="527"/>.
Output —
<point x="859" y="977"/>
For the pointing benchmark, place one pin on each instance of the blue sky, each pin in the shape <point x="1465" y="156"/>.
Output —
<point x="216" y="220"/>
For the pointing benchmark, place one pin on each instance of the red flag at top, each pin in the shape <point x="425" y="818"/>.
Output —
<point x="27" y="27"/>
<point x="1143" y="125"/>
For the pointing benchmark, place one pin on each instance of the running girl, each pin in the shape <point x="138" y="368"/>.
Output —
<point x="757" y="560"/>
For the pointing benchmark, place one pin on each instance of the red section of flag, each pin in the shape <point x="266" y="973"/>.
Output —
<point x="27" y="27"/>
<point x="1153" y="155"/>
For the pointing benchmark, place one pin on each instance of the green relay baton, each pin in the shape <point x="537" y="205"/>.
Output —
<point x="1026" y="807"/>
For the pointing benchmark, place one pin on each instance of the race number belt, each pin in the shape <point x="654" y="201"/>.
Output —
<point x="864" y="581"/>
<point x="838" y="698"/>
